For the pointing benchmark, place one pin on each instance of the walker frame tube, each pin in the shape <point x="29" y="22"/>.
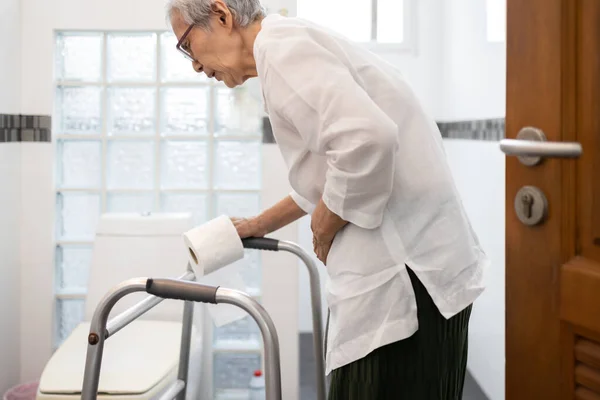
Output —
<point x="176" y="289"/>
<point x="131" y="314"/>
<point x="177" y="388"/>
<point x="315" y="294"/>
<point x="98" y="335"/>
<point x="184" y="349"/>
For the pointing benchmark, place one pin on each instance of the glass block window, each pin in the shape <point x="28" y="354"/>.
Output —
<point x="137" y="130"/>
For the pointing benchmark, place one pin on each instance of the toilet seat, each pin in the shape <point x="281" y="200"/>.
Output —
<point x="141" y="360"/>
<point x="146" y="352"/>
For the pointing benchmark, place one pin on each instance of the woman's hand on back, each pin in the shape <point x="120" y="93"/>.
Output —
<point x="325" y="224"/>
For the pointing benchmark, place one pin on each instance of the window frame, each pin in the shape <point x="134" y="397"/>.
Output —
<point x="409" y="42"/>
<point x="409" y="25"/>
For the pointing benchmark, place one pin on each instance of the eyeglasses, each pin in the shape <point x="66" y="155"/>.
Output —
<point x="184" y="49"/>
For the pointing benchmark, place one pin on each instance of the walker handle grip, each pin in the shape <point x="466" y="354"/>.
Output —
<point x="182" y="290"/>
<point x="259" y="243"/>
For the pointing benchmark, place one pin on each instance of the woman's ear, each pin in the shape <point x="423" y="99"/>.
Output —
<point x="222" y="12"/>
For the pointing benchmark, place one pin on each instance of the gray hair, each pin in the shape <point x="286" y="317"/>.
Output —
<point x="197" y="12"/>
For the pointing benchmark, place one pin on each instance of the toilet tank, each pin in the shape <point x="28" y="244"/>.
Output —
<point x="137" y="245"/>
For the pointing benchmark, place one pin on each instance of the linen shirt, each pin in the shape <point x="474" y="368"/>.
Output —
<point x="352" y="132"/>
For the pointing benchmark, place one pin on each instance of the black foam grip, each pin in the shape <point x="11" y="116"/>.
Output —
<point x="182" y="290"/>
<point x="261" y="244"/>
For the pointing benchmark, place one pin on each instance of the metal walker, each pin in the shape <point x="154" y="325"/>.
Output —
<point x="183" y="288"/>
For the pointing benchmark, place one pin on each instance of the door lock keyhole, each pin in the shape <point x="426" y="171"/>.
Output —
<point x="527" y="201"/>
<point x="531" y="206"/>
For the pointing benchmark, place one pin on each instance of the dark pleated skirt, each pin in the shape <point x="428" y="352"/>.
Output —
<point x="430" y="365"/>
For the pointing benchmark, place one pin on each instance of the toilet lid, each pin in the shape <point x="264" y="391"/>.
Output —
<point x="135" y="359"/>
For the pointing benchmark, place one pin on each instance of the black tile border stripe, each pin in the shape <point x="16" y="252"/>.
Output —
<point x="484" y="129"/>
<point x="37" y="128"/>
<point x="25" y="128"/>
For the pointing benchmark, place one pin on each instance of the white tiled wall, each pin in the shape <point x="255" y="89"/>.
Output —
<point x="10" y="157"/>
<point x="479" y="172"/>
<point x="280" y="274"/>
<point x="10" y="165"/>
<point x="422" y="66"/>
<point x="37" y="202"/>
<point x="10" y="54"/>
<point x="37" y="254"/>
<point x="473" y="76"/>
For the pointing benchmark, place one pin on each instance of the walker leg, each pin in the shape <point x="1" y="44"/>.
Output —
<point x="320" y="345"/>
<point x="184" y="352"/>
<point x="99" y="333"/>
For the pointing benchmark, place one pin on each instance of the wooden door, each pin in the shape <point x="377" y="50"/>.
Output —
<point x="553" y="269"/>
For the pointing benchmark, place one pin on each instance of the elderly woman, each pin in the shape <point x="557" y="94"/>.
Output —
<point x="368" y="164"/>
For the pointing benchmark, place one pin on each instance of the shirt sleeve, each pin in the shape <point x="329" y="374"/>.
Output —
<point x="304" y="204"/>
<point x="316" y="93"/>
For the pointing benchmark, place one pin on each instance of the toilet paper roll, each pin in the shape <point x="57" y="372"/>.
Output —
<point x="213" y="245"/>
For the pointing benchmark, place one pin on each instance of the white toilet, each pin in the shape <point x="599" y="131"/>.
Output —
<point x="140" y="361"/>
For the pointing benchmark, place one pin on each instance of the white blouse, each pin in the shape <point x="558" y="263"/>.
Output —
<point x="352" y="132"/>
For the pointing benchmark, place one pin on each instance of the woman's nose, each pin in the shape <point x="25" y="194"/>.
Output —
<point x="197" y="66"/>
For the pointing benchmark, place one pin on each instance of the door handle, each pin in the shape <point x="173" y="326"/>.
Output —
<point x="531" y="146"/>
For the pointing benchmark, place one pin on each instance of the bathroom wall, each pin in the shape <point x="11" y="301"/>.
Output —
<point x="10" y="160"/>
<point x="421" y="62"/>
<point x="478" y="168"/>
<point x="36" y="221"/>
<point x="474" y="88"/>
<point x="473" y="76"/>
<point x="10" y="193"/>
<point x="10" y="51"/>
<point x="280" y="274"/>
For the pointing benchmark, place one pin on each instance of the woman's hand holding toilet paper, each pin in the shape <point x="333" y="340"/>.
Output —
<point x="325" y="224"/>
<point x="281" y="214"/>
<point x="249" y="227"/>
